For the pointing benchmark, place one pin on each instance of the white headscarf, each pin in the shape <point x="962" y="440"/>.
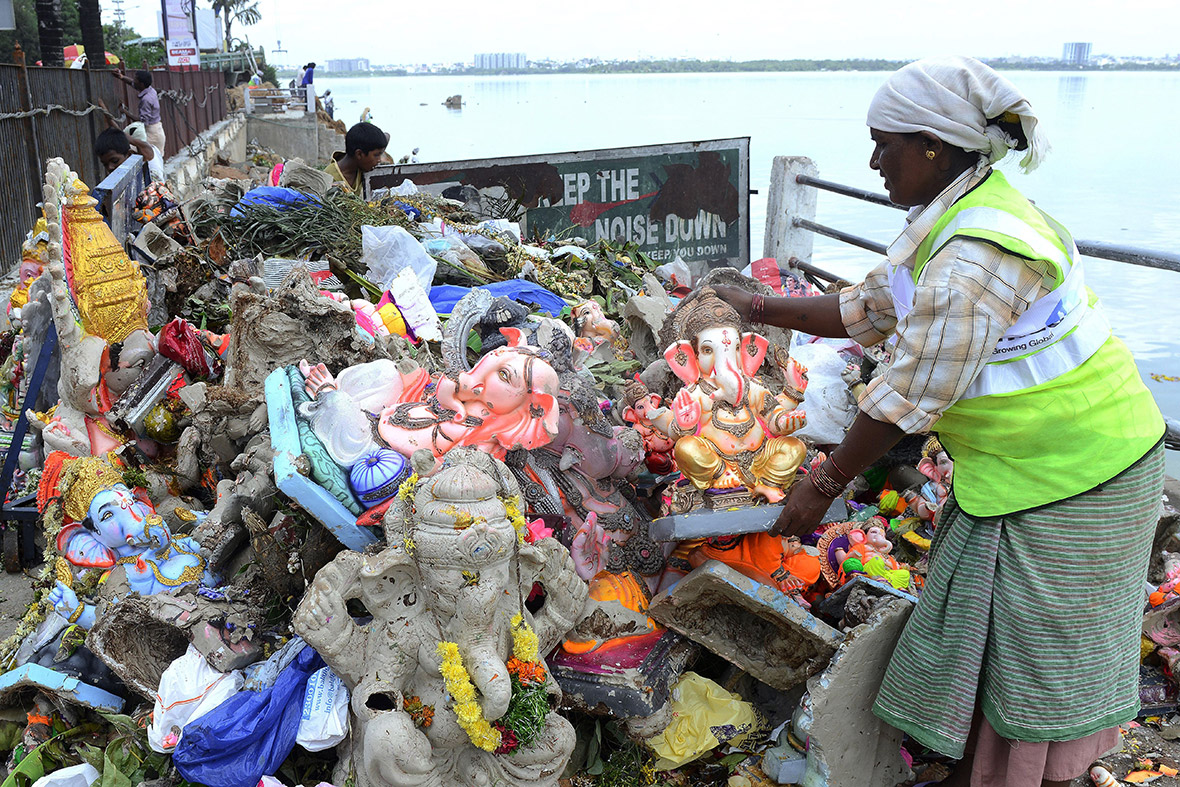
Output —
<point x="953" y="98"/>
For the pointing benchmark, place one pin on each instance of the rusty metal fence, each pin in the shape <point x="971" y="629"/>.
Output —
<point x="52" y="112"/>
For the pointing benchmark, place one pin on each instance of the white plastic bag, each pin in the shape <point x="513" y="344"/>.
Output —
<point x="325" y="712"/>
<point x="386" y="251"/>
<point x="82" y="775"/>
<point x="189" y="689"/>
<point x="826" y="401"/>
<point x="677" y="273"/>
<point x="451" y="248"/>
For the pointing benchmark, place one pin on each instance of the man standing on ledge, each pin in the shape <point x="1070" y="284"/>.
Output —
<point x="149" y="106"/>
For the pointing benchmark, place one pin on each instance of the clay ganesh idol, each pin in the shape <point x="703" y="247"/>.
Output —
<point x="730" y="429"/>
<point x="507" y="400"/>
<point x="441" y="676"/>
<point x="106" y="525"/>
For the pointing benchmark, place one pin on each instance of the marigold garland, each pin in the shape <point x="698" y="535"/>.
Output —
<point x="467" y="710"/>
<point x="525" y="718"/>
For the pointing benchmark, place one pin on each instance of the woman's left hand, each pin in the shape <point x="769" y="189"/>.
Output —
<point x="804" y="509"/>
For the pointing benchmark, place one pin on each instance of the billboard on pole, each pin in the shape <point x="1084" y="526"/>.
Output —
<point x="180" y="34"/>
<point x="689" y="199"/>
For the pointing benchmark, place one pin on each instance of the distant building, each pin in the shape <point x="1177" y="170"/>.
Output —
<point x="499" y="61"/>
<point x="349" y="65"/>
<point x="1076" y="54"/>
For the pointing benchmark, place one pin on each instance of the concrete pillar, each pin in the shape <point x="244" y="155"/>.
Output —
<point x="787" y="201"/>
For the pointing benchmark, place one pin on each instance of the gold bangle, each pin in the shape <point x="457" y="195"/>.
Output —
<point x="77" y="613"/>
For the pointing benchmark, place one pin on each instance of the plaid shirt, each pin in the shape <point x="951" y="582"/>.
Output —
<point x="968" y="295"/>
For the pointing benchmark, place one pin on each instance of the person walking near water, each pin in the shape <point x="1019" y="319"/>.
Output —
<point x="308" y="75"/>
<point x="149" y="106"/>
<point x="367" y="116"/>
<point x="1022" y="657"/>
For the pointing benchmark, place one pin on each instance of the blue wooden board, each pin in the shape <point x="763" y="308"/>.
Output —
<point x="313" y="498"/>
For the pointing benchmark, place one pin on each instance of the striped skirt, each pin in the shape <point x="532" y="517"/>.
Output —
<point x="1034" y="617"/>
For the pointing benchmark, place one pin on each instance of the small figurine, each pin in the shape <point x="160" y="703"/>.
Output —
<point x="853" y="548"/>
<point x="1168" y="590"/>
<point x="641" y="410"/>
<point x="936" y="465"/>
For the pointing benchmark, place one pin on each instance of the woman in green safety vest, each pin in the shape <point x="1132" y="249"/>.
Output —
<point x="1029" y="626"/>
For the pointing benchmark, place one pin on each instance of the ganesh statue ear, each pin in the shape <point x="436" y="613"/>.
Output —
<point x="753" y="352"/>
<point x="683" y="361"/>
<point x="515" y="337"/>
<point x="538" y="428"/>
<point x="630" y="416"/>
<point x="928" y="468"/>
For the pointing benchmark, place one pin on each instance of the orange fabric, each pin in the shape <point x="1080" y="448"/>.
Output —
<point x="760" y="556"/>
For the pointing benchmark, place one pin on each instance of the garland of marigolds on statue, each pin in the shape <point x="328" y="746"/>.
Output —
<point x="524" y="720"/>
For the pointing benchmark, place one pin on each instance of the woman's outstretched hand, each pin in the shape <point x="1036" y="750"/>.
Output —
<point x="736" y="297"/>
<point x="802" y="512"/>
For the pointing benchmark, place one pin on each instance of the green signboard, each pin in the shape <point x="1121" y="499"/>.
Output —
<point x="689" y="199"/>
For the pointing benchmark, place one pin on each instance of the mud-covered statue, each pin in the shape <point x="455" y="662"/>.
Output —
<point x="730" y="429"/>
<point x="104" y="525"/>
<point x="448" y="681"/>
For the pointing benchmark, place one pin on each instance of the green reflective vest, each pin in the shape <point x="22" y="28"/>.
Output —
<point x="1060" y="407"/>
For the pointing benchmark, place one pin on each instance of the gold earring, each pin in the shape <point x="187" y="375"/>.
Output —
<point x="930" y="154"/>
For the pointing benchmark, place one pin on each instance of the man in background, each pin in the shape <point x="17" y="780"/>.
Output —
<point x="149" y="106"/>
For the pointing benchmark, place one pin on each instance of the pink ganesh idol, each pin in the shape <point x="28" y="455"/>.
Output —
<point x="507" y="400"/>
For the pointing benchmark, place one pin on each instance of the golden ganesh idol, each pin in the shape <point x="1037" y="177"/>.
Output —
<point x="730" y="429"/>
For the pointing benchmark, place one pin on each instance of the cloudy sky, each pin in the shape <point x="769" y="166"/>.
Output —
<point x="388" y="31"/>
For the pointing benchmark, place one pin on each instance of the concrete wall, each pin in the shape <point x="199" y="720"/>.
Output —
<point x="186" y="170"/>
<point x="295" y="135"/>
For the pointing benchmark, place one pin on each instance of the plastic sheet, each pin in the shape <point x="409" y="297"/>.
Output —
<point x="444" y="297"/>
<point x="250" y="734"/>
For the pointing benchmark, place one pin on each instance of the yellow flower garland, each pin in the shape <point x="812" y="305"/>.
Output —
<point x="524" y="639"/>
<point x="458" y="683"/>
<point x="467" y="710"/>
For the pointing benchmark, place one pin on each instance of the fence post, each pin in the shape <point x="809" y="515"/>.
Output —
<point x="787" y="201"/>
<point x="26" y="100"/>
<point x="310" y="95"/>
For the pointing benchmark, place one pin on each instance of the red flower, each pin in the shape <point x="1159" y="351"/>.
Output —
<point x="508" y="741"/>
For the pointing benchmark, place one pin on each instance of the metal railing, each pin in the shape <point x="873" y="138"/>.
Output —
<point x="265" y="101"/>
<point x="1134" y="255"/>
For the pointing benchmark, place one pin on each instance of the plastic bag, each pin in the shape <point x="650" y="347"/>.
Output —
<point x="704" y="716"/>
<point x="452" y="249"/>
<point x="189" y="688"/>
<point x="325" y="712"/>
<point x="82" y="775"/>
<point x="827" y="402"/>
<point x="386" y="251"/>
<point x="179" y="342"/>
<point x="250" y="734"/>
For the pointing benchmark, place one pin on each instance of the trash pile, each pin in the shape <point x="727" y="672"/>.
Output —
<point x="324" y="489"/>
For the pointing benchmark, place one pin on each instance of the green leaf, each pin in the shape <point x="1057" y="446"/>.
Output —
<point x="731" y="761"/>
<point x="111" y="775"/>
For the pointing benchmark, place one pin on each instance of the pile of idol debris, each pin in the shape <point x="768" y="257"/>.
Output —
<point x="380" y="492"/>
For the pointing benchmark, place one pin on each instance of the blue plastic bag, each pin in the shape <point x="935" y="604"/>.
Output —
<point x="273" y="197"/>
<point x="444" y="296"/>
<point x="249" y="735"/>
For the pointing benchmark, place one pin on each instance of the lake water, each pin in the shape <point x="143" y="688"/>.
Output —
<point x="1112" y="174"/>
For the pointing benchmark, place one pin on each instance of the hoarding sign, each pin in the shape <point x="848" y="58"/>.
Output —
<point x="182" y="53"/>
<point x="180" y="34"/>
<point x="689" y="199"/>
